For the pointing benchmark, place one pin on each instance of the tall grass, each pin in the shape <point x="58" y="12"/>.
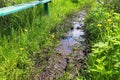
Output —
<point x="103" y="28"/>
<point x="27" y="31"/>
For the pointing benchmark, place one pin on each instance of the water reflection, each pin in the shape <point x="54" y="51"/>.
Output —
<point x="75" y="36"/>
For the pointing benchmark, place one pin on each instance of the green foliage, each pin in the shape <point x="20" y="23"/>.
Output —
<point x="114" y="4"/>
<point x="103" y="28"/>
<point x="111" y="4"/>
<point x="23" y="33"/>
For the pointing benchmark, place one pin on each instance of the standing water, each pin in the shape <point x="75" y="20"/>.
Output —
<point x="76" y="36"/>
<point x="71" y="51"/>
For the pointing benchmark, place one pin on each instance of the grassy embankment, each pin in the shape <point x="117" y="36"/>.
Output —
<point x="26" y="32"/>
<point x="103" y="26"/>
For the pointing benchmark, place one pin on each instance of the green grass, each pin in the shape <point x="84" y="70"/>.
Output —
<point x="26" y="32"/>
<point x="103" y="27"/>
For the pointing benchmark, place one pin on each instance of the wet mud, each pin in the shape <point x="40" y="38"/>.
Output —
<point x="71" y="53"/>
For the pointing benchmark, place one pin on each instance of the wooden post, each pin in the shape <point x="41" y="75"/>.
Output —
<point x="46" y="8"/>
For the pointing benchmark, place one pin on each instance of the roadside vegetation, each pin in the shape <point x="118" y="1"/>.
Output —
<point x="23" y="35"/>
<point x="26" y="38"/>
<point x="103" y="30"/>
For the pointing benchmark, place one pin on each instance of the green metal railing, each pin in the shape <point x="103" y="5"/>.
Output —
<point x="12" y="9"/>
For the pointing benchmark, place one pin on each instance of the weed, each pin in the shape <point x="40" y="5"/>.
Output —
<point x="103" y="29"/>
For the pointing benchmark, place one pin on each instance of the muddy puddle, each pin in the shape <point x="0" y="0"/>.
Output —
<point x="72" y="51"/>
<point x="76" y="36"/>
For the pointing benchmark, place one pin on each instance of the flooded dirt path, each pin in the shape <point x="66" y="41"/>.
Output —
<point x="76" y="36"/>
<point x="71" y="53"/>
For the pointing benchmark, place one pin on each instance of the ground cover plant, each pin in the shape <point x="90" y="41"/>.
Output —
<point x="26" y="32"/>
<point x="103" y="27"/>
